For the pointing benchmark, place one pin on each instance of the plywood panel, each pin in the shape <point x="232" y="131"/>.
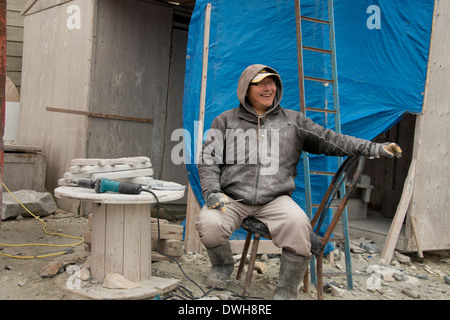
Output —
<point x="171" y="171"/>
<point x="431" y="193"/>
<point x="132" y="248"/>
<point x="114" y="239"/>
<point x="98" y="241"/>
<point x="56" y="73"/>
<point x="137" y="242"/>
<point x="130" y="78"/>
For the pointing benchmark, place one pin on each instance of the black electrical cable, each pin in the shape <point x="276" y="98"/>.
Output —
<point x="159" y="237"/>
<point x="184" y="291"/>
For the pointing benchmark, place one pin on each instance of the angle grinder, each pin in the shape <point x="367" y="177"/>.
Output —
<point x="102" y="185"/>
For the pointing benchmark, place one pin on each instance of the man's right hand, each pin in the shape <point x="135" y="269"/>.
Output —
<point x="217" y="200"/>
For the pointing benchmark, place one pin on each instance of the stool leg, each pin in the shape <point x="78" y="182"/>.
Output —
<point x="319" y="277"/>
<point x="251" y="263"/>
<point x="244" y="255"/>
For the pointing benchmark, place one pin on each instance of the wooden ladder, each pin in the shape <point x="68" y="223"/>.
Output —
<point x="326" y="112"/>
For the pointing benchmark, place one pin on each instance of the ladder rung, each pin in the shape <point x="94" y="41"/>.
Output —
<point x="314" y="20"/>
<point x="318" y="79"/>
<point x="317" y="49"/>
<point x="320" y="110"/>
<point x="323" y="173"/>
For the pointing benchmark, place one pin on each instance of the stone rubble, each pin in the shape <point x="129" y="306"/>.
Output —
<point x="403" y="279"/>
<point x="39" y="203"/>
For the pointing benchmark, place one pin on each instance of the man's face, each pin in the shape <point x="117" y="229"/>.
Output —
<point x="262" y="94"/>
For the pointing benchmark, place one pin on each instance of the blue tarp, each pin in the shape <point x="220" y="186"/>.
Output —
<point x="382" y="52"/>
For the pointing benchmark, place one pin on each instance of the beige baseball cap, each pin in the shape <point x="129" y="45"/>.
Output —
<point x="262" y="75"/>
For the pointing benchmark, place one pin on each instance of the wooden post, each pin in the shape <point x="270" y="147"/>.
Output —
<point x="2" y="88"/>
<point x="191" y="239"/>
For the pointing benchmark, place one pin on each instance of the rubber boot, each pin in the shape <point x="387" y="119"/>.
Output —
<point x="222" y="266"/>
<point x="292" y="270"/>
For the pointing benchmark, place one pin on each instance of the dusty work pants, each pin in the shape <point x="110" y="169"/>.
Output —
<point x="288" y="224"/>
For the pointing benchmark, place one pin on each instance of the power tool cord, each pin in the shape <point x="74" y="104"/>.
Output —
<point x="159" y="238"/>
<point x="40" y="244"/>
<point x="185" y="293"/>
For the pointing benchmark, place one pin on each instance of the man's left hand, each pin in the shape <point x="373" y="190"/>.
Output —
<point x="390" y="150"/>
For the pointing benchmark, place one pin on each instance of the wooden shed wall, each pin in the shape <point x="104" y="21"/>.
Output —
<point x="430" y="201"/>
<point x="170" y="171"/>
<point x="130" y="78"/>
<point x="14" y="48"/>
<point x="56" y="74"/>
<point x="126" y="61"/>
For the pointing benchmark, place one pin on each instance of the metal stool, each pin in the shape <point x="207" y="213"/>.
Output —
<point x="257" y="229"/>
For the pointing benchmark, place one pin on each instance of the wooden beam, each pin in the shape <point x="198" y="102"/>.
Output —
<point x="100" y="115"/>
<point x="192" y="240"/>
<point x="402" y="208"/>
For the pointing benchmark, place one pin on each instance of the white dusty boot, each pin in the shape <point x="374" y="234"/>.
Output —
<point x="222" y="266"/>
<point x="292" y="270"/>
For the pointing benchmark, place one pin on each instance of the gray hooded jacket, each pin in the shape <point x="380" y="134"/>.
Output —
<point x="255" y="158"/>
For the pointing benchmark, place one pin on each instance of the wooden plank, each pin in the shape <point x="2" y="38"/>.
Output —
<point x="204" y="80"/>
<point x="97" y="114"/>
<point x="131" y="243"/>
<point x="98" y="250"/>
<point x="14" y="19"/>
<point x="167" y="231"/>
<point x="192" y="240"/>
<point x="69" y="177"/>
<point x="14" y="49"/>
<point x="109" y="162"/>
<point x="169" y="247"/>
<point x="430" y="201"/>
<point x="114" y="249"/>
<point x="397" y="222"/>
<point x="146" y="241"/>
<point x="99" y="169"/>
<point x="21" y="148"/>
<point x="416" y="237"/>
<point x="15" y="33"/>
<point x="16" y="5"/>
<point x="124" y="174"/>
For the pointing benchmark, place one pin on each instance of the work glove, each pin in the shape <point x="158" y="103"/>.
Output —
<point x="390" y="150"/>
<point x="217" y="200"/>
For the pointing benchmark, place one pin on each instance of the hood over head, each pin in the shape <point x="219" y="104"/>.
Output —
<point x="251" y="73"/>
